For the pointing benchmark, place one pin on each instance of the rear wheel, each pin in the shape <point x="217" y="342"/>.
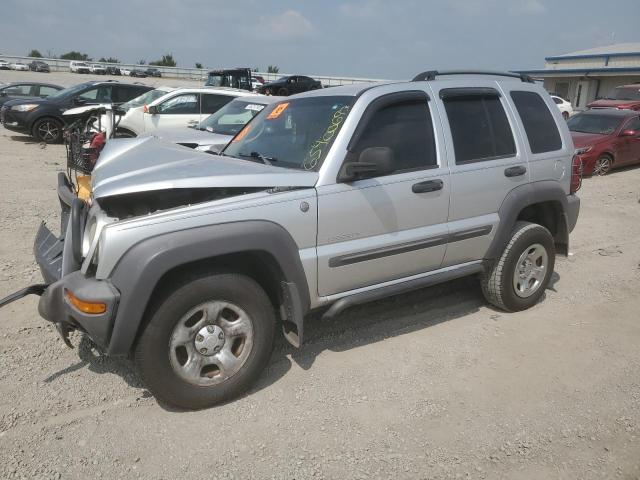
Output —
<point x="48" y="130"/>
<point x="207" y="342"/>
<point x="518" y="279"/>
<point x="603" y="165"/>
<point x="283" y="92"/>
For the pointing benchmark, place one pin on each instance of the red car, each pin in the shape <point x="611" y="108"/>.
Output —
<point x="624" y="96"/>
<point x="606" y="139"/>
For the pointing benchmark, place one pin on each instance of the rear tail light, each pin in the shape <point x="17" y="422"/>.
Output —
<point x="576" y="174"/>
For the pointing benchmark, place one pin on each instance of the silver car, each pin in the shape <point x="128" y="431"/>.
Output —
<point x="325" y="200"/>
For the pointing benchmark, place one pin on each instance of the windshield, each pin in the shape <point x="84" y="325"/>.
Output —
<point x="144" y="99"/>
<point x="598" y="124"/>
<point x="230" y="119"/>
<point x="296" y="133"/>
<point x="624" y="93"/>
<point x="68" y="92"/>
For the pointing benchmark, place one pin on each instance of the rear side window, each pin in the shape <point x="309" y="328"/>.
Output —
<point x="405" y="128"/>
<point x="538" y="122"/>
<point x="479" y="128"/>
<point x="212" y="103"/>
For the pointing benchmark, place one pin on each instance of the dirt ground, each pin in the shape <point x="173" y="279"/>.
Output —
<point x="433" y="384"/>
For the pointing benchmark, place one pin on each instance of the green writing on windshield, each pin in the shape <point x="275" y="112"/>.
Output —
<point x="315" y="152"/>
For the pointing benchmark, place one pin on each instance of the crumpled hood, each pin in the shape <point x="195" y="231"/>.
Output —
<point x="191" y="136"/>
<point x="130" y="165"/>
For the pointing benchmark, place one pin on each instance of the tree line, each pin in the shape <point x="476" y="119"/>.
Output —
<point x="167" y="60"/>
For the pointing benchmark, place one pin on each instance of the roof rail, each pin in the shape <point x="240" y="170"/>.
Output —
<point x="432" y="74"/>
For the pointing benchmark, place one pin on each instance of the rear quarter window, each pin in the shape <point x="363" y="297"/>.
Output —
<point x="539" y="125"/>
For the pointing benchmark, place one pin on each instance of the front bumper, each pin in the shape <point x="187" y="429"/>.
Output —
<point x="12" y="120"/>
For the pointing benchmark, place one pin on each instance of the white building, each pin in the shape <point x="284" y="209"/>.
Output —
<point x="583" y="76"/>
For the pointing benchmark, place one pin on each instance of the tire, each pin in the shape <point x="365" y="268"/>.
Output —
<point x="603" y="165"/>
<point x="178" y="322"/>
<point x="124" y="133"/>
<point x="500" y="285"/>
<point x="283" y="92"/>
<point x="47" y="130"/>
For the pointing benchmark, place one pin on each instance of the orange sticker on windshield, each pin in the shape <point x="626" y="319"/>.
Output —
<point x="241" y="134"/>
<point x="278" y="111"/>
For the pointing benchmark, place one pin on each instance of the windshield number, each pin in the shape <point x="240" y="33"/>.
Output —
<point x="315" y="152"/>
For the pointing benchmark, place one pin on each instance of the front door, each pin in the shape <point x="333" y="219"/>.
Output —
<point x="629" y="150"/>
<point x="181" y="110"/>
<point x="379" y="229"/>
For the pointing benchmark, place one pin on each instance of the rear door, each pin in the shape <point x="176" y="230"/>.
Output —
<point x="486" y="163"/>
<point x="393" y="226"/>
<point x="180" y="110"/>
<point x="211" y="103"/>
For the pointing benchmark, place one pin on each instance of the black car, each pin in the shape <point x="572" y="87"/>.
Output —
<point x="136" y="72"/>
<point x="112" y="70"/>
<point x="290" y="85"/>
<point x="24" y="90"/>
<point x="39" y="66"/>
<point x="153" y="72"/>
<point x="42" y="117"/>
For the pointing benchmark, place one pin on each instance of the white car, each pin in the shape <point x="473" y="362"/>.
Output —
<point x="98" y="69"/>
<point x="20" y="66"/>
<point x="79" y="67"/>
<point x="4" y="65"/>
<point x="182" y="107"/>
<point x="255" y="84"/>
<point x="564" y="106"/>
<point x="125" y="71"/>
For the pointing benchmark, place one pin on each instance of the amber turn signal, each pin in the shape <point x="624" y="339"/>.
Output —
<point x="92" y="308"/>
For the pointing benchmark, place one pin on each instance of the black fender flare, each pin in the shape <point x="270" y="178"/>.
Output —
<point x="523" y="196"/>
<point x="141" y="268"/>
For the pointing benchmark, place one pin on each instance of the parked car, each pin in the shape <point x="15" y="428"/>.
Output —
<point x="256" y="83"/>
<point x="181" y="107"/>
<point x="624" y="96"/>
<point x="39" y="66"/>
<point x="606" y="139"/>
<point x="563" y="105"/>
<point x="215" y="131"/>
<point x="137" y="72"/>
<point x="189" y="262"/>
<point x="290" y="85"/>
<point x="153" y="72"/>
<point x="98" y="69"/>
<point x="79" y="67"/>
<point x="4" y="65"/>
<point x="20" y="66"/>
<point x="24" y="90"/>
<point x="113" y="70"/>
<point x="230" y="77"/>
<point x="125" y="71"/>
<point x="42" y="118"/>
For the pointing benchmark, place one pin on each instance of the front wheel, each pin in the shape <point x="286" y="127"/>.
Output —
<point x="207" y="342"/>
<point x="48" y="130"/>
<point x="603" y="165"/>
<point x="520" y="276"/>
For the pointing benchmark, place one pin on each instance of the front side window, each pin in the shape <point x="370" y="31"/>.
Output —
<point x="230" y="119"/>
<point x="184" y="104"/>
<point x="47" y="91"/>
<point x="479" y="128"/>
<point x="600" y="124"/>
<point x="100" y="94"/>
<point x="406" y="128"/>
<point x="633" y="124"/>
<point x="18" y="90"/>
<point x="296" y="133"/>
<point x="557" y="101"/>
<point x="538" y="122"/>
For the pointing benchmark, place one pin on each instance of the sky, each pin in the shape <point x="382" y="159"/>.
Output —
<point x="392" y="39"/>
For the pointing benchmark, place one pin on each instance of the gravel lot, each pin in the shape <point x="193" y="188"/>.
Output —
<point x="434" y="384"/>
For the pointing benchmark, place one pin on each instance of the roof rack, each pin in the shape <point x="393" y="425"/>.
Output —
<point x="432" y="74"/>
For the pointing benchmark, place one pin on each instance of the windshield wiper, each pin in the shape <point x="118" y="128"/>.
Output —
<point x="262" y="158"/>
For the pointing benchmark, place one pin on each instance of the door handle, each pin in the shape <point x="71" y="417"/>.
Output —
<point x="515" y="171"/>
<point x="428" y="186"/>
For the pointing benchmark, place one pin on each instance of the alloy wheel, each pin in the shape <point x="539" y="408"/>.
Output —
<point x="530" y="271"/>
<point x="48" y="131"/>
<point x="603" y="166"/>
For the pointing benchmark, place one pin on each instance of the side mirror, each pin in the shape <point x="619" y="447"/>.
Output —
<point x="153" y="109"/>
<point x="79" y="101"/>
<point x="629" y="133"/>
<point x="373" y="162"/>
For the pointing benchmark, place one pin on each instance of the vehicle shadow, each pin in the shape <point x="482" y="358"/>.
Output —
<point x="26" y="139"/>
<point x="357" y="326"/>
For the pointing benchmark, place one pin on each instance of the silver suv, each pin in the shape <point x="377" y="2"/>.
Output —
<point x="326" y="200"/>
